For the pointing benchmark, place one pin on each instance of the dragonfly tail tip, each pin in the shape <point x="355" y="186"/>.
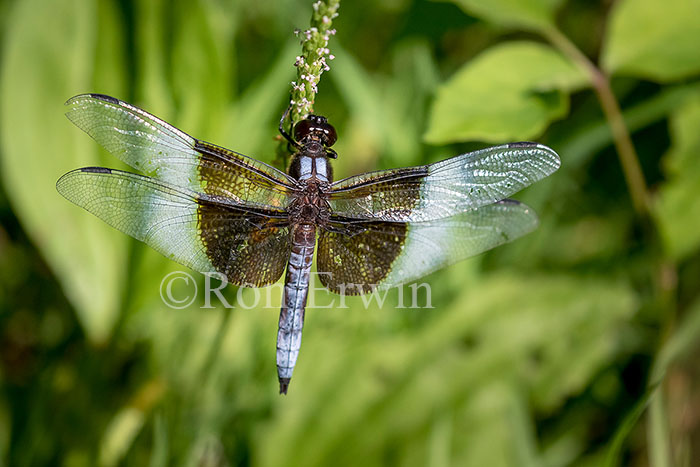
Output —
<point x="284" y="385"/>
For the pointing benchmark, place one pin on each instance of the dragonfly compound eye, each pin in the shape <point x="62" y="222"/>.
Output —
<point x="315" y="125"/>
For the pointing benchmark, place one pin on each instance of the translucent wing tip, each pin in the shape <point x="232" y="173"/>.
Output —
<point x="548" y="155"/>
<point x="61" y="182"/>
<point x="80" y="104"/>
<point x="528" y="219"/>
<point x="92" y="95"/>
<point x="64" y="186"/>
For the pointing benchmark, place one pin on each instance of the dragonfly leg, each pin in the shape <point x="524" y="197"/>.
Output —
<point x="284" y="133"/>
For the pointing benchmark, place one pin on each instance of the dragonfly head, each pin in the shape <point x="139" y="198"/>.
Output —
<point x="315" y="127"/>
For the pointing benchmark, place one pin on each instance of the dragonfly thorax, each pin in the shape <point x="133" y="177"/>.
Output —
<point x="310" y="206"/>
<point x="311" y="166"/>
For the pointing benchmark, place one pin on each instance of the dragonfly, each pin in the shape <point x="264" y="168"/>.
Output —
<point x="218" y="211"/>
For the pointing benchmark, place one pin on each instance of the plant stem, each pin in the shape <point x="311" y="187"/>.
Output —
<point x="621" y="137"/>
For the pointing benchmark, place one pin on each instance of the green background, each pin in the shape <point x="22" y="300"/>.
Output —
<point x="575" y="345"/>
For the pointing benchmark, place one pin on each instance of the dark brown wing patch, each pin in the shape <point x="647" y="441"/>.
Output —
<point x="250" y="249"/>
<point x="354" y="259"/>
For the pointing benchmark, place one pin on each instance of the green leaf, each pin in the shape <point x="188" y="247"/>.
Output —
<point x="677" y="207"/>
<point x="653" y="39"/>
<point x="526" y="14"/>
<point x="201" y="65"/>
<point x="119" y="435"/>
<point x="250" y="125"/>
<point x="383" y="120"/>
<point x="683" y="344"/>
<point x="50" y="56"/>
<point x="510" y="92"/>
<point x="152" y="84"/>
<point x="625" y="429"/>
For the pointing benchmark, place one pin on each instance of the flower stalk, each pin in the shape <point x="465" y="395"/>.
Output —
<point x="310" y="64"/>
<point x="314" y="58"/>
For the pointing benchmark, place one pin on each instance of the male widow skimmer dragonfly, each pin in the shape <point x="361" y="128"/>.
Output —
<point x="215" y="210"/>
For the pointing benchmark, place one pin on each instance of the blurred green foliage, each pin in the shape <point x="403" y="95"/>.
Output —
<point x="546" y="351"/>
